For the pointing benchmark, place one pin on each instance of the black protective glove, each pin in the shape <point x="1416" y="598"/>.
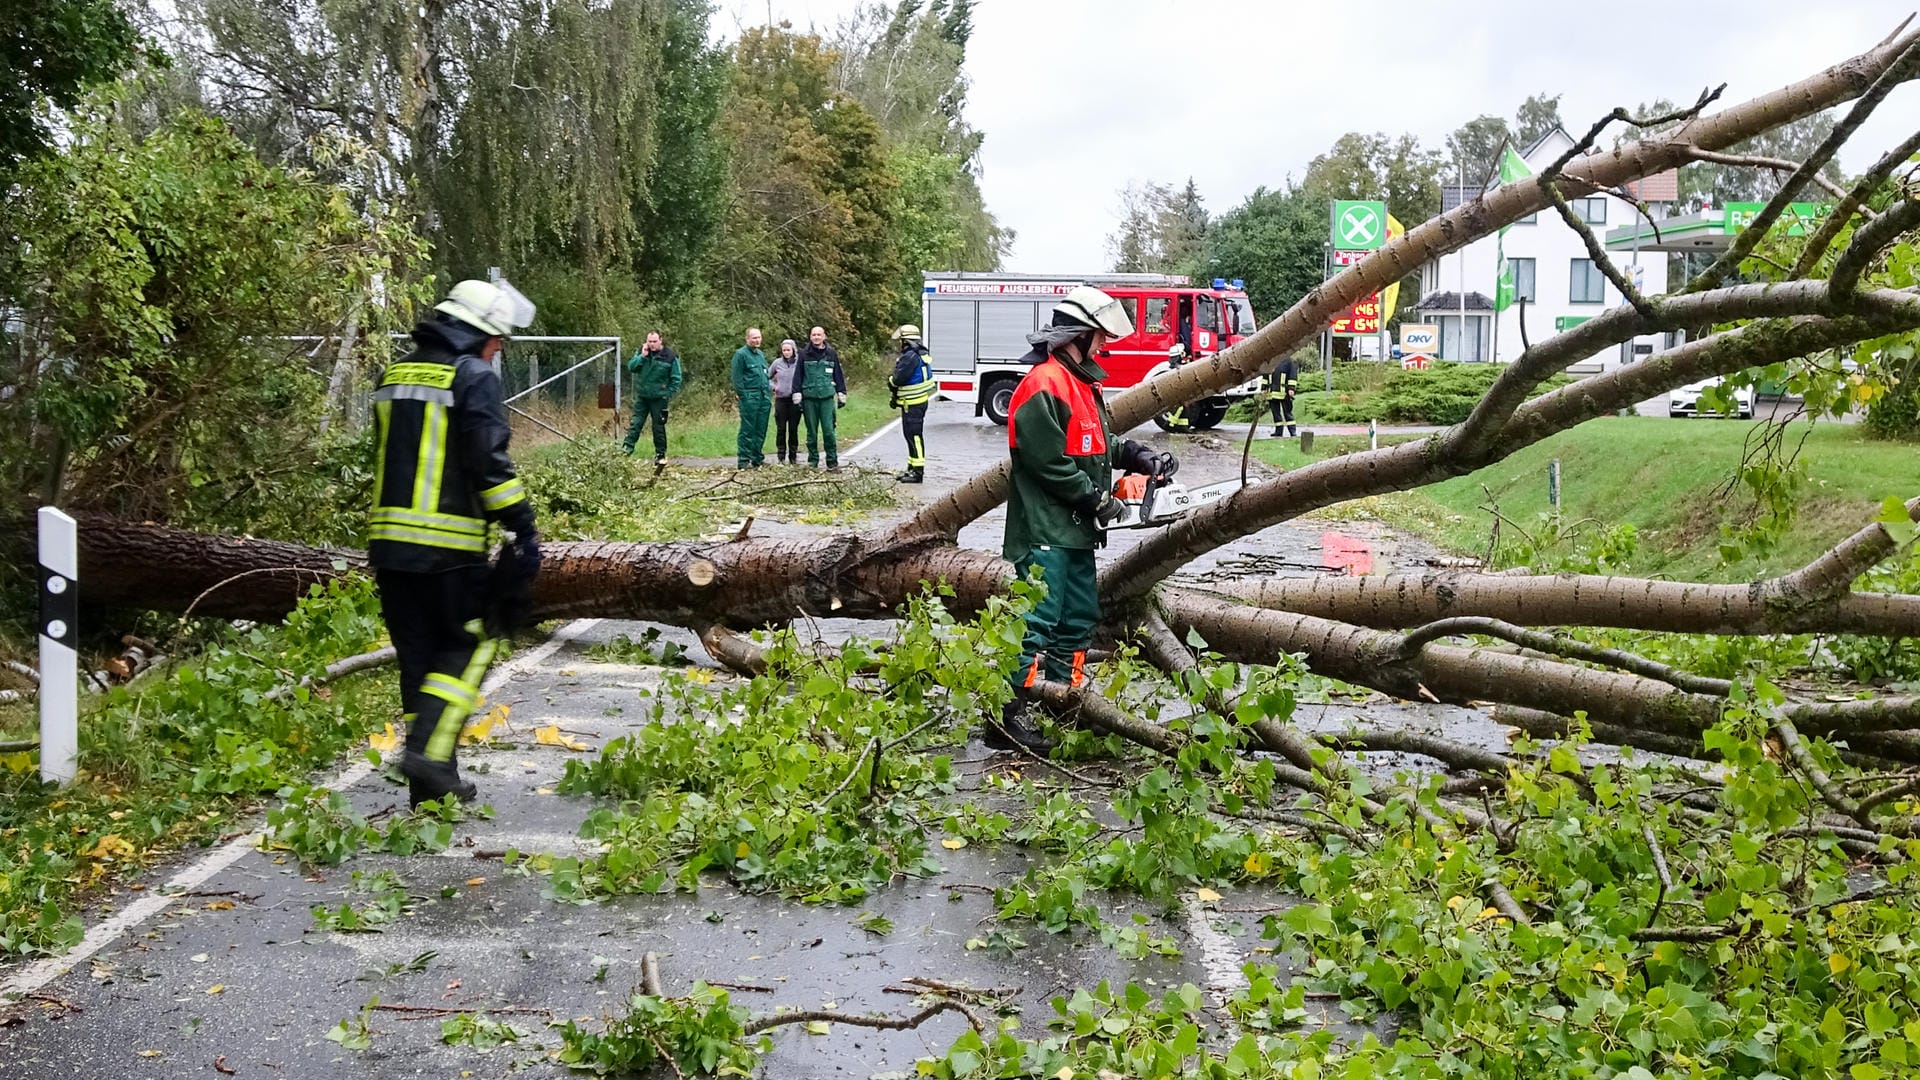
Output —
<point x="1137" y="457"/>
<point x="1103" y="507"/>
<point x="510" y="585"/>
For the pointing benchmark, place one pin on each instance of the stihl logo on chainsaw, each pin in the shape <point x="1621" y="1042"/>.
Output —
<point x="1156" y="499"/>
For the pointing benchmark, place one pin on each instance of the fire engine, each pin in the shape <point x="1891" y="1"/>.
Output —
<point x="976" y="327"/>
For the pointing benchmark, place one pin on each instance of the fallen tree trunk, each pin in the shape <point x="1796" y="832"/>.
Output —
<point x="741" y="584"/>
<point x="1397" y="601"/>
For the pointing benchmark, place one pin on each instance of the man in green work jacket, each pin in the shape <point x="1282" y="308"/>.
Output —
<point x="1060" y="499"/>
<point x="819" y="390"/>
<point x="656" y="379"/>
<point x="755" y="392"/>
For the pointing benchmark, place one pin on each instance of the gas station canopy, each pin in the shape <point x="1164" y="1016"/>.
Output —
<point x="1712" y="229"/>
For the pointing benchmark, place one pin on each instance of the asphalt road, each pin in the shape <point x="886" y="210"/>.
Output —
<point x="213" y="964"/>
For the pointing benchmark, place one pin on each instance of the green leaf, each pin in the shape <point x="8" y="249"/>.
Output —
<point x="1894" y="518"/>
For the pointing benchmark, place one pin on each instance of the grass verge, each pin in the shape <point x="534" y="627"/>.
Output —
<point x="1667" y="478"/>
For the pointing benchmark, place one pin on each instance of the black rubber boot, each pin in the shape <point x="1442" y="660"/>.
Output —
<point x="1015" y="729"/>
<point x="913" y="476"/>
<point x="431" y="780"/>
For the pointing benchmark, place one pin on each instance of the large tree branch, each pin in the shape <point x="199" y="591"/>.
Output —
<point x="1757" y="161"/>
<point x="1862" y="190"/>
<point x="1812" y="599"/>
<point x="1905" y="65"/>
<point x="1467" y="675"/>
<point x="1448" y="453"/>
<point x="1443" y="234"/>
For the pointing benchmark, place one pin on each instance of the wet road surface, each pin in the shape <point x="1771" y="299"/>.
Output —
<point x="138" y="1000"/>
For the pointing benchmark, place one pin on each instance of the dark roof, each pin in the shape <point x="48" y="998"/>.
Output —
<point x="1452" y="195"/>
<point x="1443" y="302"/>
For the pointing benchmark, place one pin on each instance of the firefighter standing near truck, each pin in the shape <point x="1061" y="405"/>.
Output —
<point x="442" y="479"/>
<point x="1060" y="498"/>
<point x="912" y="386"/>
<point x="1283" y="384"/>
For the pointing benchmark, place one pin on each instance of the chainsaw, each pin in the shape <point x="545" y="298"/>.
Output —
<point x="1156" y="498"/>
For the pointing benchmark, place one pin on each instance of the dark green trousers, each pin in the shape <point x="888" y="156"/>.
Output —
<point x="1060" y="626"/>
<point x="752" y="445"/>
<point x="818" y="413"/>
<point x="645" y="409"/>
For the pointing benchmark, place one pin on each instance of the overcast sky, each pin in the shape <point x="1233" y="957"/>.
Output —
<point x="1078" y="98"/>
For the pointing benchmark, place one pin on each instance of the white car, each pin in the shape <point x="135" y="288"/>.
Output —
<point x="1685" y="401"/>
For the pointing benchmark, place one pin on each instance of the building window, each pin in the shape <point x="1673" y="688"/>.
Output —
<point x="1591" y="210"/>
<point x="1585" y="285"/>
<point x="1530" y="219"/>
<point x="1523" y="279"/>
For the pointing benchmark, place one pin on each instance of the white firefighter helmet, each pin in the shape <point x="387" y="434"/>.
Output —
<point x="1089" y="307"/>
<point x="493" y="307"/>
<point x="907" y="332"/>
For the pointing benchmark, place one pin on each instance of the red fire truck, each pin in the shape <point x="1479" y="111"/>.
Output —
<point x="976" y="327"/>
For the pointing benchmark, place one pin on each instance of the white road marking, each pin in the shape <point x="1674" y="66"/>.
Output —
<point x="41" y="972"/>
<point x="873" y="438"/>
<point x="1219" y="958"/>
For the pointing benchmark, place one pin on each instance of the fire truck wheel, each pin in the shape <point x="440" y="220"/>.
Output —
<point x="996" y="399"/>
<point x="1208" y="414"/>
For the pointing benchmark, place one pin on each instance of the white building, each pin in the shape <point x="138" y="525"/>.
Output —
<point x="1552" y="269"/>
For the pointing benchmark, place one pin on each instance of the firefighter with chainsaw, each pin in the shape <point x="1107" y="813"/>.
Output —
<point x="443" y="479"/>
<point x="1061" y="499"/>
<point x="912" y="386"/>
<point x="1283" y="385"/>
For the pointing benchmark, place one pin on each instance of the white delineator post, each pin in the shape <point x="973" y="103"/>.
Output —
<point x="59" y="633"/>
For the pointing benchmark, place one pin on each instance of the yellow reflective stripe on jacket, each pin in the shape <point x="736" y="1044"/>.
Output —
<point x="432" y="462"/>
<point x="501" y="496"/>
<point x="406" y="534"/>
<point x="382" y="421"/>
<point x="419" y="374"/>
<point x="454" y="523"/>
<point x="916" y="393"/>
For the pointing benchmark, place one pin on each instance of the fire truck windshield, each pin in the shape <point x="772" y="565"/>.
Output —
<point x="1240" y="310"/>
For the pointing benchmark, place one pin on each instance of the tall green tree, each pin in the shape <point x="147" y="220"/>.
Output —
<point x="1161" y="230"/>
<point x="1535" y="117"/>
<point x="1472" y="149"/>
<point x="684" y="195"/>
<point x="1397" y="170"/>
<point x="807" y="231"/>
<point x="156" y="274"/>
<point x="904" y="63"/>
<point x="549" y="153"/>
<point x="50" y="52"/>
<point x="1273" y="241"/>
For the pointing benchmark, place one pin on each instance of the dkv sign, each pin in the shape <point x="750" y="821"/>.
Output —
<point x="1419" y="338"/>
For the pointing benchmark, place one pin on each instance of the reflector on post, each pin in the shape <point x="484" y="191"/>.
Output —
<point x="59" y="636"/>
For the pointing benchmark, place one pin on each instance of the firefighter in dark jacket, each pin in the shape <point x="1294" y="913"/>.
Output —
<point x="822" y="388"/>
<point x="912" y="386"/>
<point x="442" y="480"/>
<point x="1283" y="383"/>
<point x="1060" y="498"/>
<point x="656" y="379"/>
